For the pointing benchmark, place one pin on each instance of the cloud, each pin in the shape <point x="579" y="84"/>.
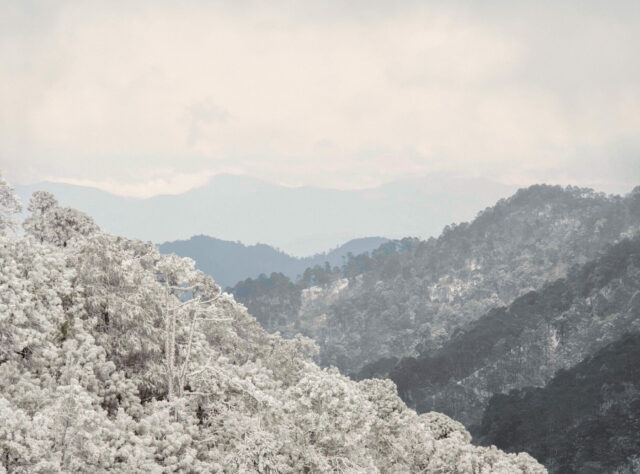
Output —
<point x="339" y="94"/>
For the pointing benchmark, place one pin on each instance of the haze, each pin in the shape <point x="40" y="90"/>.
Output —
<point x="147" y="98"/>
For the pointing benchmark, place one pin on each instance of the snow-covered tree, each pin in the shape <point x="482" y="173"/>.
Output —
<point x="9" y="205"/>
<point x="48" y="222"/>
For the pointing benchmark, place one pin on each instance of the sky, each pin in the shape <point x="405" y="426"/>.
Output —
<point x="155" y="97"/>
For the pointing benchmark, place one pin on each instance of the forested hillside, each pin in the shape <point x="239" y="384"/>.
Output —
<point x="291" y="306"/>
<point x="398" y="304"/>
<point x="525" y="343"/>
<point x="586" y="420"/>
<point x="115" y="358"/>
<point x="231" y="262"/>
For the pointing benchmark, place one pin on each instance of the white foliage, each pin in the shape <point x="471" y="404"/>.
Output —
<point x="57" y="225"/>
<point x="9" y="205"/>
<point x="116" y="359"/>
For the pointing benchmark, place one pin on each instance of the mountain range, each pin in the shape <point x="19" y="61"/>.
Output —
<point x="116" y="358"/>
<point x="413" y="301"/>
<point x="522" y="324"/>
<point x="301" y="221"/>
<point x="230" y="262"/>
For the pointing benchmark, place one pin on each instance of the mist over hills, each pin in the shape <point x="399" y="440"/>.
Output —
<point x="301" y="221"/>
<point x="230" y="262"/>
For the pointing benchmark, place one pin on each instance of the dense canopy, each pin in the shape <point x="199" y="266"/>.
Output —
<point x="116" y="358"/>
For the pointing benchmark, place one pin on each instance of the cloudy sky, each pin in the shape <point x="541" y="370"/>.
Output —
<point x="148" y="97"/>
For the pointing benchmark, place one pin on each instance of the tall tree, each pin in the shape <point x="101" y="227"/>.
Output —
<point x="9" y="205"/>
<point x="56" y="225"/>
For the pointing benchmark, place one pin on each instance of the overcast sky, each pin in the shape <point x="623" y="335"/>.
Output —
<point x="148" y="97"/>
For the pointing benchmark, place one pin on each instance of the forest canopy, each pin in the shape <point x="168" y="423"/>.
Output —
<point x="116" y="358"/>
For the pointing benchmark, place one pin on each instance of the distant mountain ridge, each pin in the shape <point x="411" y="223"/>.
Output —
<point x="301" y="221"/>
<point x="230" y="262"/>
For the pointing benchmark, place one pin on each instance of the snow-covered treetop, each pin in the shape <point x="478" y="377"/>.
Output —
<point x="9" y="205"/>
<point x="57" y="225"/>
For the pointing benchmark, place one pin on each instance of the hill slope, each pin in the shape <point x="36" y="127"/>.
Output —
<point x="281" y="304"/>
<point x="413" y="301"/>
<point x="230" y="262"/>
<point x="525" y="343"/>
<point x="586" y="419"/>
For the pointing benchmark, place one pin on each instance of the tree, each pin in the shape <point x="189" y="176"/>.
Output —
<point x="9" y="205"/>
<point x="188" y="295"/>
<point x="56" y="225"/>
<point x="33" y="284"/>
